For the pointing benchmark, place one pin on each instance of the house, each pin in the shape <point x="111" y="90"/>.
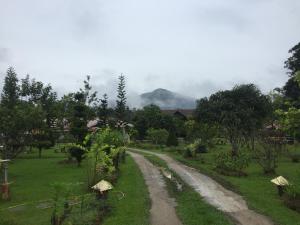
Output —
<point x="183" y="114"/>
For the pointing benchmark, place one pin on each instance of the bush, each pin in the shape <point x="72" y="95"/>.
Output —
<point x="295" y="157"/>
<point x="172" y="139"/>
<point x="291" y="198"/>
<point x="188" y="151"/>
<point x="219" y="141"/>
<point x="77" y="152"/>
<point x="158" y="136"/>
<point x="104" y="155"/>
<point x="227" y="164"/>
<point x="267" y="151"/>
<point x="199" y="146"/>
<point x="193" y="149"/>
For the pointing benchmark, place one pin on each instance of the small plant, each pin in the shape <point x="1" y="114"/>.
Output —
<point x="295" y="157"/>
<point x="188" y="151"/>
<point x="77" y="152"/>
<point x="193" y="149"/>
<point x="227" y="164"/>
<point x="291" y="198"/>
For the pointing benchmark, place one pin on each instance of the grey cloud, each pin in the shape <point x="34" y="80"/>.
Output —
<point x="5" y="55"/>
<point x="192" y="47"/>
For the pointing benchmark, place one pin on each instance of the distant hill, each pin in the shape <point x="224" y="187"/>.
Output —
<point x="166" y="99"/>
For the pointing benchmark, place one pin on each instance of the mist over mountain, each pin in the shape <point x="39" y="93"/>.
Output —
<point x="166" y="99"/>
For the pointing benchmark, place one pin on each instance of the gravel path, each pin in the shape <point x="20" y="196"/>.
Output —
<point x="162" y="206"/>
<point x="214" y="193"/>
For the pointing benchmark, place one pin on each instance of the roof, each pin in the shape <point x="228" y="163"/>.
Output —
<point x="185" y="112"/>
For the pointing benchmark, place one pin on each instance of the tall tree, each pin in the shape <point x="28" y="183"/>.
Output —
<point x="291" y="88"/>
<point x="240" y="112"/>
<point x="121" y="99"/>
<point x="103" y="109"/>
<point x="12" y="116"/>
<point x="293" y="62"/>
<point x="79" y="118"/>
<point x="11" y="90"/>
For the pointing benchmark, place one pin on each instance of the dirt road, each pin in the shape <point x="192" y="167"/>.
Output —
<point x="162" y="210"/>
<point x="214" y="193"/>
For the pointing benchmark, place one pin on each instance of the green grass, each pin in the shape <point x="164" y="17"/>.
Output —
<point x="32" y="179"/>
<point x="191" y="208"/>
<point x="134" y="208"/>
<point x="256" y="188"/>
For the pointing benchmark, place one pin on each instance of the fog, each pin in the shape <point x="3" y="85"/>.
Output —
<point x="191" y="47"/>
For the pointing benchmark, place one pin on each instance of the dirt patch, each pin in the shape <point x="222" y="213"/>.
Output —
<point x="215" y="194"/>
<point x="162" y="210"/>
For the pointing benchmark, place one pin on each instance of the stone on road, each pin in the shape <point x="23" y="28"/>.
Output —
<point x="162" y="210"/>
<point x="214" y="193"/>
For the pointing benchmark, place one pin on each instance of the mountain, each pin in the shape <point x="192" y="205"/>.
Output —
<point x="166" y="99"/>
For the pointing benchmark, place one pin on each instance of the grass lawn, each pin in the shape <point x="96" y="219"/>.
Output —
<point x="191" y="208"/>
<point x="256" y="188"/>
<point x="133" y="208"/>
<point x="32" y="178"/>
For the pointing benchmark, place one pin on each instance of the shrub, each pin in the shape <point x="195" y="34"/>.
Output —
<point x="295" y="157"/>
<point x="219" y="141"/>
<point x="199" y="146"/>
<point x="227" y="164"/>
<point x="188" y="151"/>
<point x="158" y="136"/>
<point x="172" y="139"/>
<point x="291" y="198"/>
<point x="77" y="152"/>
<point x="267" y="151"/>
<point x="104" y="155"/>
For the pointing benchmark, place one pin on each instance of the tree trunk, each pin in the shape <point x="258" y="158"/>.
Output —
<point x="234" y="148"/>
<point x="40" y="152"/>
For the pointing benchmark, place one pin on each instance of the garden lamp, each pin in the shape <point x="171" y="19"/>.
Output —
<point x="280" y="182"/>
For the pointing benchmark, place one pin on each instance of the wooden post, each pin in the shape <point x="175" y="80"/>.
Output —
<point x="5" y="184"/>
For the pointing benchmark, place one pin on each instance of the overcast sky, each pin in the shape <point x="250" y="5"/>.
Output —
<point x="193" y="47"/>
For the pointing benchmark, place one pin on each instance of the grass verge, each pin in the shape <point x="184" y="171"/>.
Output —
<point x="133" y="208"/>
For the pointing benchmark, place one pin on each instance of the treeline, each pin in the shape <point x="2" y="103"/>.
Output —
<point x="32" y="116"/>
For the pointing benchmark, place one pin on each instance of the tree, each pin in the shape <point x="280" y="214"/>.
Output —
<point x="103" y="109"/>
<point x="158" y="136"/>
<point x="77" y="152"/>
<point x="44" y="100"/>
<point x="11" y="90"/>
<point x="267" y="152"/>
<point x="239" y="112"/>
<point x="80" y="110"/>
<point x="172" y="139"/>
<point x="289" y="121"/>
<point x="291" y="88"/>
<point x="121" y="101"/>
<point x="152" y="117"/>
<point x="78" y="127"/>
<point x="292" y="92"/>
<point x="293" y="62"/>
<point x="11" y="117"/>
